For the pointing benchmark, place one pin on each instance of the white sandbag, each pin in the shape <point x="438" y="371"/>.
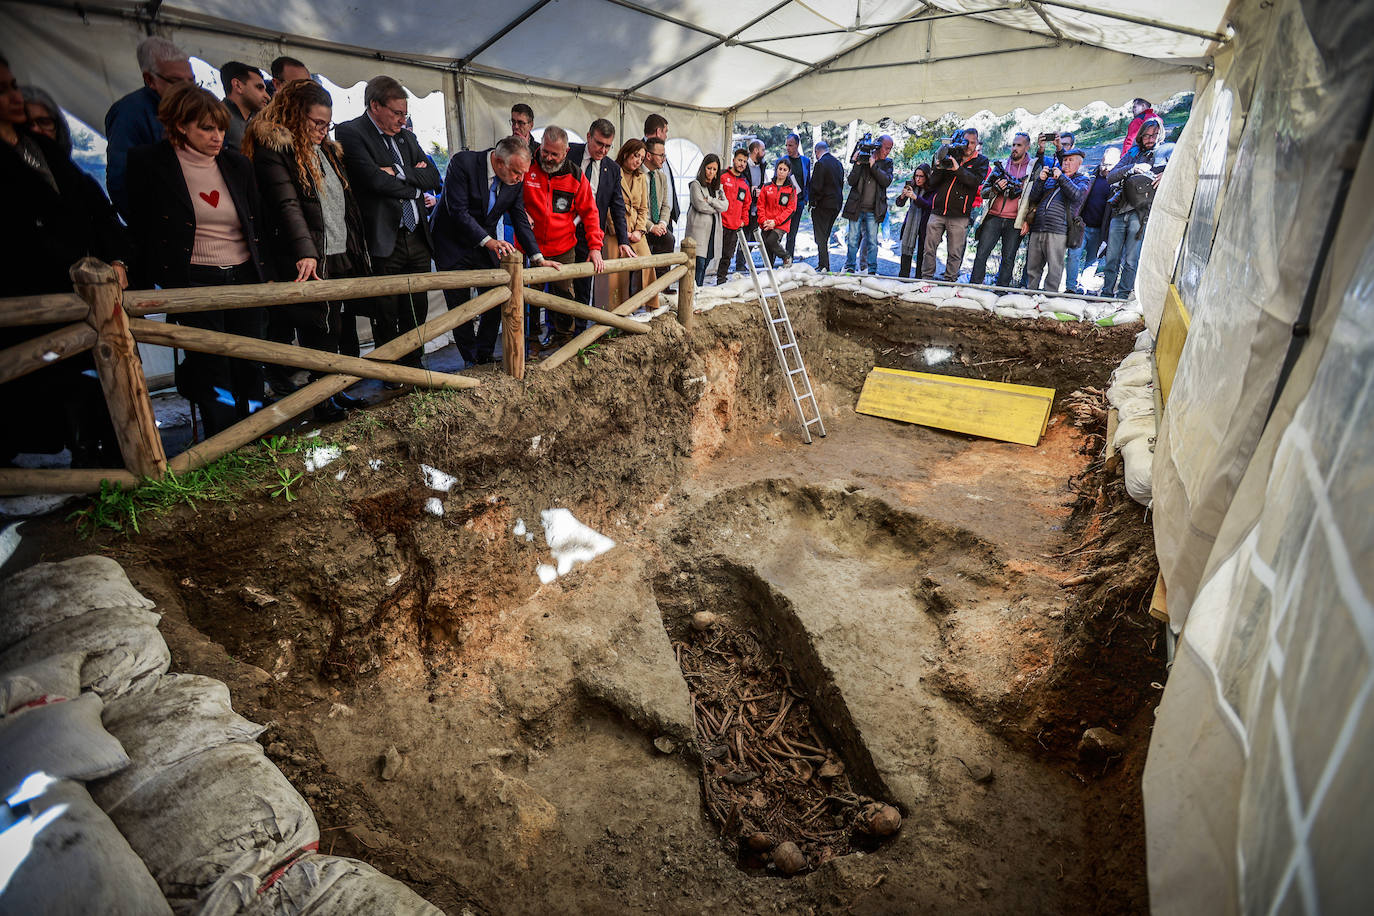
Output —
<point x="1131" y="408"/>
<point x="159" y="728"/>
<point x="1116" y="319"/>
<point x="959" y="302"/>
<point x="1120" y="394"/>
<point x="934" y="290"/>
<point x="869" y="292"/>
<point x="47" y="680"/>
<point x="78" y="861"/>
<point x="883" y="285"/>
<point x="48" y="592"/>
<point x="317" y="885"/>
<point x="63" y="739"/>
<point x="222" y="812"/>
<point x="1137" y="358"/>
<point x="788" y="286"/>
<point x="1016" y="301"/>
<point x="1137" y="460"/>
<point x="1145" y="340"/>
<point x="1018" y="314"/>
<point x="801" y="267"/>
<point x="1064" y="304"/>
<point x="123" y="650"/>
<point x="1132" y="429"/>
<point x="986" y="297"/>
<point x="1132" y="376"/>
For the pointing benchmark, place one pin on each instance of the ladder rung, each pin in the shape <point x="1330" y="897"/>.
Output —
<point x="786" y="345"/>
<point x="796" y="371"/>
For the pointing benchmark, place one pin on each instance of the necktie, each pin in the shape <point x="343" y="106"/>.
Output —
<point x="410" y="217"/>
<point x="653" y="195"/>
<point x="593" y="173"/>
<point x="491" y="198"/>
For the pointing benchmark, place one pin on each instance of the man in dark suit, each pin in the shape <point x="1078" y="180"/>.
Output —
<point x="826" y="190"/>
<point x="593" y="160"/>
<point x="480" y="188"/>
<point x="390" y="175"/>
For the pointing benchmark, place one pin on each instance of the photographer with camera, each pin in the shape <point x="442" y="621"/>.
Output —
<point x="959" y="172"/>
<point x="1057" y="195"/>
<point x="1003" y="188"/>
<point x="1136" y="178"/>
<point x="867" y="203"/>
<point x="1095" y="214"/>
<point x="917" y="190"/>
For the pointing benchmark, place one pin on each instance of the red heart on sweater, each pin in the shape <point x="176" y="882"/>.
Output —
<point x="212" y="198"/>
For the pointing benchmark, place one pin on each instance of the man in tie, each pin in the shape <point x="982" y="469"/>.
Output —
<point x="656" y="128"/>
<point x="481" y="187"/>
<point x="660" y="230"/>
<point x="592" y="159"/>
<point x="390" y="175"/>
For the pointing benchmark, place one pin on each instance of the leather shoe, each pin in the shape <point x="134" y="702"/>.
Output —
<point x="328" y="411"/>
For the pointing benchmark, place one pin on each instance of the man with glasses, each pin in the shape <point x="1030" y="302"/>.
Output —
<point x="390" y="175"/>
<point x="593" y="160"/>
<point x="660" y="231"/>
<point x="521" y="123"/>
<point x="132" y="121"/>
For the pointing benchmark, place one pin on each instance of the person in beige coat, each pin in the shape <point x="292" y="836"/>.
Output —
<point x="634" y="184"/>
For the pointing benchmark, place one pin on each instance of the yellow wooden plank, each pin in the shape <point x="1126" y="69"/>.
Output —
<point x="993" y="410"/>
<point x="1173" y="332"/>
<point x="1159" y="604"/>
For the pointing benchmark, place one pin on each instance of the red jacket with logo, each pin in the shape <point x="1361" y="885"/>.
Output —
<point x="778" y="203"/>
<point x="737" y="194"/>
<point x="552" y="204"/>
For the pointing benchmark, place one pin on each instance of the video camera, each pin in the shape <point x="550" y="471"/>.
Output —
<point x="867" y="146"/>
<point x="999" y="173"/>
<point x="956" y="147"/>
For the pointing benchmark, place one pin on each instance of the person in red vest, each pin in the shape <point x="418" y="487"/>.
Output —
<point x="777" y="203"/>
<point x="738" y="195"/>
<point x="1143" y="112"/>
<point x="557" y="196"/>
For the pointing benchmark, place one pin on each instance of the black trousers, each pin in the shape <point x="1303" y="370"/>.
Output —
<point x="792" y="229"/>
<point x="993" y="231"/>
<point x="742" y="251"/>
<point x="662" y="244"/>
<point x="729" y="241"/>
<point x="772" y="244"/>
<point x="225" y="390"/>
<point x="398" y="315"/>
<point x="823" y="225"/>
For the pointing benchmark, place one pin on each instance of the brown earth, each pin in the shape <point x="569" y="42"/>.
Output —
<point x="909" y="577"/>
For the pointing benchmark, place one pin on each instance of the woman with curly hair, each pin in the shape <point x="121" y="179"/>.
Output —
<point x="194" y="210"/>
<point x="314" y="229"/>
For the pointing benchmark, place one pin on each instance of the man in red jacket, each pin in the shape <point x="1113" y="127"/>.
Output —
<point x="738" y="196"/>
<point x="1143" y="112"/>
<point x="556" y="197"/>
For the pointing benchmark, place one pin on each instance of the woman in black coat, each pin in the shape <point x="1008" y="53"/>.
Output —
<point x="54" y="215"/>
<point x="194" y="211"/>
<point x="314" y="228"/>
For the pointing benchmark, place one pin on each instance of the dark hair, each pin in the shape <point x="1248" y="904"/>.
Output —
<point x="628" y="149"/>
<point x="650" y="143"/>
<point x="1067" y="133"/>
<point x="35" y="96"/>
<point x="653" y="122"/>
<point x="779" y="164"/>
<point x="741" y="151"/>
<point x="603" y="128"/>
<point x="281" y="63"/>
<point x="523" y="109"/>
<point x="970" y="132"/>
<point x="190" y="104"/>
<point x="1138" y="101"/>
<point x="234" y="70"/>
<point x="714" y="184"/>
<point x="382" y="89"/>
<point x="925" y="169"/>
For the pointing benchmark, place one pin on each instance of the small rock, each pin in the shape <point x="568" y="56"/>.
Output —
<point x="665" y="744"/>
<point x="1099" y="742"/>
<point x="310" y="790"/>
<point x="276" y="749"/>
<point x="299" y="760"/>
<point x="979" y="772"/>
<point x="392" y="762"/>
<point x="703" y="620"/>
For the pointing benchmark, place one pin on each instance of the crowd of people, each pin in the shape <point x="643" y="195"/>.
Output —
<point x="248" y="188"/>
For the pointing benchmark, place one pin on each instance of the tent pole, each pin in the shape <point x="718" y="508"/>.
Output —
<point x="1218" y="37"/>
<point x="453" y="113"/>
<point x="711" y="47"/>
<point x="941" y="60"/>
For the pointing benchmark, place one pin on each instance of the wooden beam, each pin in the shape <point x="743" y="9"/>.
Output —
<point x="538" y="276"/>
<point x="513" y="318"/>
<point x="46" y="309"/>
<point x="277" y="413"/>
<point x="589" y="336"/>
<point x="120" y="369"/>
<point x="1159" y="601"/>
<point x="578" y="310"/>
<point x="253" y="295"/>
<point x="686" y="290"/>
<point x="31" y="481"/>
<point x="201" y="340"/>
<point x="1173" y="334"/>
<point x="31" y="355"/>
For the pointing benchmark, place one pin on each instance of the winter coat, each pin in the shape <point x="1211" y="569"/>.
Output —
<point x="1136" y="123"/>
<point x="824" y="189"/>
<point x="703" y="215"/>
<point x="861" y="174"/>
<point x="738" y="195"/>
<point x="1054" y="199"/>
<point x="777" y="203"/>
<point x="914" y="226"/>
<point x="552" y="202"/>
<point x="1155" y="158"/>
<point x="955" y="190"/>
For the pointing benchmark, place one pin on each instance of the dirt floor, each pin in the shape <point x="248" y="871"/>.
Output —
<point x="892" y="624"/>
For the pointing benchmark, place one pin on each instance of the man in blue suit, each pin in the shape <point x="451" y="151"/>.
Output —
<point x="481" y="187"/>
<point x="603" y="174"/>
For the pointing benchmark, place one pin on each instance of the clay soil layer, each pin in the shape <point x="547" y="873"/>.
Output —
<point x="547" y="756"/>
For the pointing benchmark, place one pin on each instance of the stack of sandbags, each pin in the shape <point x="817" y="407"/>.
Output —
<point x="1132" y="394"/>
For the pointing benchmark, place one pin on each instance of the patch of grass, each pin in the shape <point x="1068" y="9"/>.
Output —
<point x="425" y="404"/>
<point x="587" y="352"/>
<point x="223" y="480"/>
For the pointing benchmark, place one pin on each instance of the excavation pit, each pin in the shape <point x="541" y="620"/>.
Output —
<point x="908" y="577"/>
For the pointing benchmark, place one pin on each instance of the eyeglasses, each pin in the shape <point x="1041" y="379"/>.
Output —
<point x="520" y="122"/>
<point x="43" y="122"/>
<point x="398" y="112"/>
<point x="325" y="126"/>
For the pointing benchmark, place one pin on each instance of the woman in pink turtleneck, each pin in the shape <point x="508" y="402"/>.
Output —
<point x="194" y="211"/>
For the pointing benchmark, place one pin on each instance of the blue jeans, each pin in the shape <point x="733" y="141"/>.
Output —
<point x="701" y="270"/>
<point x="869" y="222"/>
<point x="1081" y="258"/>
<point x="1124" y="239"/>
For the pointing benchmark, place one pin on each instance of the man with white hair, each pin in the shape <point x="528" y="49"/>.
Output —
<point x="132" y="121"/>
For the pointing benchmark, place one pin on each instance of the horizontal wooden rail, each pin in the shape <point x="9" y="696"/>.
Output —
<point x="21" y="481"/>
<point x="201" y="340"/>
<point x="47" y="309"/>
<point x="537" y="276"/>
<point x="254" y="295"/>
<point x="26" y="357"/>
<point x="589" y="336"/>
<point x="277" y="413"/>
<point x="578" y="310"/>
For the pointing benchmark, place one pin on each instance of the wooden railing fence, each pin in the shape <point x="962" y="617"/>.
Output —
<point x="111" y="322"/>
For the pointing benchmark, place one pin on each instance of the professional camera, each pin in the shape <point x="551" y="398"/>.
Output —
<point x="867" y="146"/>
<point x="999" y="173"/>
<point x="956" y="147"/>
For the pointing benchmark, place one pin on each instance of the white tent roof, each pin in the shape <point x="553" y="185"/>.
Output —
<point x="777" y="60"/>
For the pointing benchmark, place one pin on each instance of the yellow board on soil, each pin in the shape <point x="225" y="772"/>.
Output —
<point x="994" y="410"/>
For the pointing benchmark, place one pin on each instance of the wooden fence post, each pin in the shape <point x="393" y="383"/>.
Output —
<point x="513" y="317"/>
<point x="687" y="286"/>
<point x="120" y="369"/>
